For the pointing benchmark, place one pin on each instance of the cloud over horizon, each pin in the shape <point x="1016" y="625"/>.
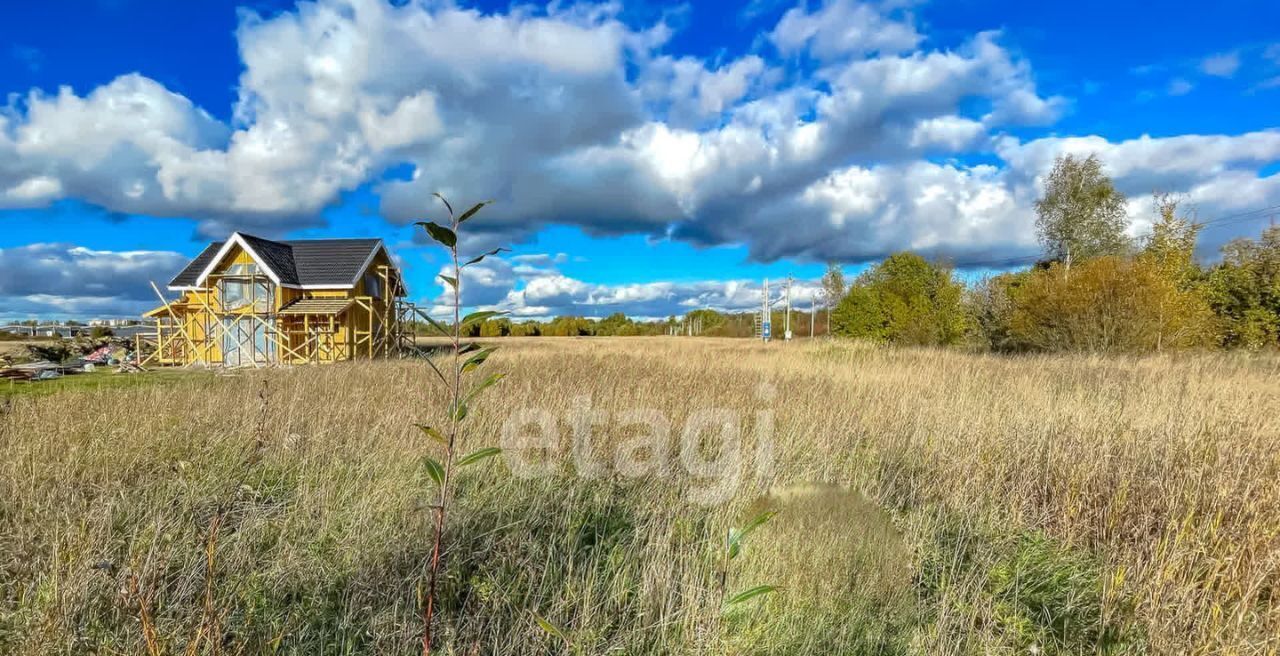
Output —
<point x="844" y="133"/>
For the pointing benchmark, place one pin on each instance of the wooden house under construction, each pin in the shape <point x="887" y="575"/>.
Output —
<point x="249" y="301"/>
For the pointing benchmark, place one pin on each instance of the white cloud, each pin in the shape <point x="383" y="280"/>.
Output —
<point x="841" y="28"/>
<point x="854" y="144"/>
<point x="1180" y="87"/>
<point x="66" y="279"/>
<point x="1221" y="65"/>
<point x="1272" y="52"/>
<point x="527" y="292"/>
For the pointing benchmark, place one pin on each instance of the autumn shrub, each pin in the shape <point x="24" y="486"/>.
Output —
<point x="1108" y="305"/>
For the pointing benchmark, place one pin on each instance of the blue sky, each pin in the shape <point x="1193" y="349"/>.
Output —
<point x="647" y="158"/>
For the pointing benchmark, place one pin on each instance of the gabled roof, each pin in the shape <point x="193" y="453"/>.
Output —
<point x="299" y="263"/>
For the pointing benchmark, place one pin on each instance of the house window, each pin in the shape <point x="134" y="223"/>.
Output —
<point x="245" y="341"/>
<point x="241" y="287"/>
<point x="372" y="285"/>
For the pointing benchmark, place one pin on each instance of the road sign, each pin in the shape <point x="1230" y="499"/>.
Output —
<point x="768" y="329"/>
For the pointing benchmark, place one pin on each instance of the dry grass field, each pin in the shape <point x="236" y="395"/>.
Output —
<point x="931" y="502"/>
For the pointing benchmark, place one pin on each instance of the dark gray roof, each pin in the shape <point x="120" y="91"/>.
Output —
<point x="320" y="262"/>
<point x="187" y="277"/>
<point x="278" y="256"/>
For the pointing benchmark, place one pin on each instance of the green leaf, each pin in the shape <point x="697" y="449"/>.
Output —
<point x="733" y="543"/>
<point x="479" y="316"/>
<point x="442" y="200"/>
<point x="472" y="212"/>
<point x="493" y="378"/>
<point x="440" y="233"/>
<point x="477" y="258"/>
<point x="433" y="434"/>
<point x="747" y="595"/>
<point x="757" y="521"/>
<point x="478" y="455"/>
<point x="434" y="324"/>
<point x="439" y="374"/>
<point x="551" y="629"/>
<point x="434" y="470"/>
<point x="458" y="410"/>
<point x="477" y="359"/>
<point x="451" y="280"/>
<point x="468" y="348"/>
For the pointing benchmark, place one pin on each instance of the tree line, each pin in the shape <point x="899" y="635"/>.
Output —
<point x="1095" y="289"/>
<point x="709" y="323"/>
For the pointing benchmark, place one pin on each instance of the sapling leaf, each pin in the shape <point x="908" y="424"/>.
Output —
<point x="478" y="455"/>
<point x="434" y="470"/>
<point x="757" y="521"/>
<point x="472" y="212"/>
<point x="458" y="410"/>
<point x="440" y="233"/>
<point x="491" y="379"/>
<point x="436" y="369"/>
<point x="433" y="434"/>
<point x="442" y="200"/>
<point x="434" y="324"/>
<point x="477" y="359"/>
<point x="478" y="258"/>
<point x="476" y="317"/>
<point x="453" y="282"/>
<point x="733" y="543"/>
<point x="749" y="594"/>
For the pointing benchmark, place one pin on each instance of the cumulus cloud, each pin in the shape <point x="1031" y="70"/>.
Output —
<point x="63" y="279"/>
<point x="843" y="134"/>
<point x="843" y="27"/>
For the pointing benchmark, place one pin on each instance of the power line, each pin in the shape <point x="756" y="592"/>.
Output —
<point x="1243" y="217"/>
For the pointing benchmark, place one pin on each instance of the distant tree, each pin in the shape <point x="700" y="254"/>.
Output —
<point x="833" y="289"/>
<point x="494" y="328"/>
<point x="860" y="315"/>
<point x="991" y="305"/>
<point x="1081" y="214"/>
<point x="614" y="324"/>
<point x="1172" y="243"/>
<point x="99" y="332"/>
<point x="1244" y="291"/>
<point x="905" y="300"/>
<point x="568" y="327"/>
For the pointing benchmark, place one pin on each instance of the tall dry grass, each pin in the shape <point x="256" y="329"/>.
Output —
<point x="934" y="502"/>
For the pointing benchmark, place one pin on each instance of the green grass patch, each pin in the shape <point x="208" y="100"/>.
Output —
<point x="1024" y="591"/>
<point x="106" y="379"/>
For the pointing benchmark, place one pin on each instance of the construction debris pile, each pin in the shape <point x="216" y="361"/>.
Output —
<point x="48" y="361"/>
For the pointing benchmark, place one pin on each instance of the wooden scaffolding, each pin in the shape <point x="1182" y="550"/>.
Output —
<point x="202" y="329"/>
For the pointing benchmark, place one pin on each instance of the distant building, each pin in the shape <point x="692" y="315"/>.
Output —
<point x="248" y="301"/>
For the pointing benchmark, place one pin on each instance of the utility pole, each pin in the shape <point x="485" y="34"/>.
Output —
<point x="765" y="314"/>
<point x="786" y="335"/>
<point x="813" y="312"/>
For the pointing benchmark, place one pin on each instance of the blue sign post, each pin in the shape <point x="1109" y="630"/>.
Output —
<point x="767" y="330"/>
